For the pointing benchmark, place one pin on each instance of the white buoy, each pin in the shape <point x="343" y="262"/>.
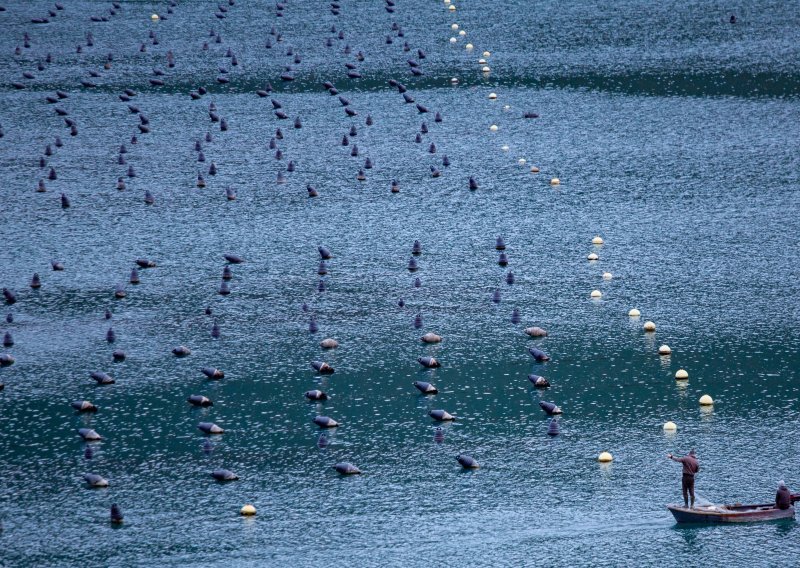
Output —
<point x="446" y="2"/>
<point x="605" y="457"/>
<point x="454" y="27"/>
<point x="521" y="161"/>
<point x="607" y="276"/>
<point x="664" y="350"/>
<point x="481" y="61"/>
<point x="596" y="294"/>
<point x="555" y="181"/>
<point x="506" y="108"/>
<point x="592" y="256"/>
<point x="247" y="511"/>
<point x="493" y="128"/>
<point x="462" y="33"/>
<point x="485" y="69"/>
<point x="453" y="40"/>
<point x="706" y="400"/>
<point x="670" y="426"/>
<point x="155" y="17"/>
<point x="634" y="313"/>
<point x="492" y="96"/>
<point x="469" y="46"/>
<point x="504" y="148"/>
<point x="534" y="170"/>
<point x="451" y="8"/>
<point x="454" y="80"/>
<point x="597" y="241"/>
<point x="649" y="326"/>
<point x="486" y="54"/>
<point x="681" y="375"/>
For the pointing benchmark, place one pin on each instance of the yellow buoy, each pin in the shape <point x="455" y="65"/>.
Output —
<point x="597" y="241"/>
<point x="634" y="313"/>
<point x="664" y="350"/>
<point x="469" y="46"/>
<point x="454" y="27"/>
<point x="486" y="54"/>
<point x="605" y="457"/>
<point x="681" y="375"/>
<point x="670" y="426"/>
<point x="555" y="181"/>
<point x="493" y="128"/>
<point x="649" y="326"/>
<point x="247" y="511"/>
<point x="493" y="96"/>
<point x="155" y="17"/>
<point x="706" y="400"/>
<point x="596" y="294"/>
<point x="607" y="276"/>
<point x="592" y="256"/>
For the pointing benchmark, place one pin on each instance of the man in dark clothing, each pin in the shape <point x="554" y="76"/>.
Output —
<point x="690" y="468"/>
<point x="783" y="498"/>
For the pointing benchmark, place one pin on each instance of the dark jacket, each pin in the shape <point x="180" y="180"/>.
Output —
<point x="690" y="465"/>
<point x="783" y="499"/>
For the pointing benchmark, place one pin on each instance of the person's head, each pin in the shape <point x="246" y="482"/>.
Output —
<point x="781" y="484"/>
<point x="693" y="453"/>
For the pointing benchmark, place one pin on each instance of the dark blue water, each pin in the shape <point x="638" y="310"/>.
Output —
<point x="674" y="134"/>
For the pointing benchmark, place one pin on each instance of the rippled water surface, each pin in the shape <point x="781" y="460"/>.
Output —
<point x="674" y="134"/>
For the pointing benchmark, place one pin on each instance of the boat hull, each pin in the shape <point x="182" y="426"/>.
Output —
<point x="730" y="514"/>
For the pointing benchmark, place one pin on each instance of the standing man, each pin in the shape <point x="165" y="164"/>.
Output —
<point x="690" y="468"/>
<point x="783" y="498"/>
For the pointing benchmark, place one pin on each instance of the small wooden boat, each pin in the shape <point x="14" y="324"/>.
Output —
<point x="730" y="513"/>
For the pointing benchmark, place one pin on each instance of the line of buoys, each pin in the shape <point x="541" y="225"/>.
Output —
<point x="199" y="400"/>
<point x="94" y="480"/>
<point x="429" y="362"/>
<point x="89" y="435"/>
<point x="538" y="354"/>
<point x="467" y="462"/>
<point x="325" y="422"/>
<point x="538" y="381"/>
<point x="550" y="408"/>
<point x="102" y="378"/>
<point x="315" y="395"/>
<point x="441" y="416"/>
<point x="212" y="373"/>
<point x="83" y="406"/>
<point x="322" y="367"/>
<point x="425" y="388"/>
<point x="210" y="428"/>
<point x="346" y="468"/>
<point x="224" y="475"/>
